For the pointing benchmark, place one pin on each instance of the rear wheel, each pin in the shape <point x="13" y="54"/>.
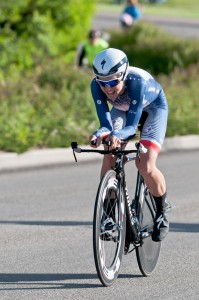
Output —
<point x="148" y="252"/>
<point x="109" y="226"/>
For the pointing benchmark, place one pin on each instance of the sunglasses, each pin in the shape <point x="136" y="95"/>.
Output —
<point x="110" y="83"/>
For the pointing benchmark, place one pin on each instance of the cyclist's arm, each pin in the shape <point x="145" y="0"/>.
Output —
<point x="136" y="89"/>
<point x="102" y="109"/>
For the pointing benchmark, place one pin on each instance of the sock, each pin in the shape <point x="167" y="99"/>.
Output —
<point x="160" y="201"/>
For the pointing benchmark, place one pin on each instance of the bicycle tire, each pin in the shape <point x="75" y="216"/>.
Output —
<point x="108" y="246"/>
<point x="148" y="252"/>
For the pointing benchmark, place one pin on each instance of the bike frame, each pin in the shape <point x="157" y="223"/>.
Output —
<point x="120" y="175"/>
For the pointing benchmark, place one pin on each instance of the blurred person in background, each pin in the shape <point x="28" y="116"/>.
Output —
<point x="131" y="14"/>
<point x="88" y="49"/>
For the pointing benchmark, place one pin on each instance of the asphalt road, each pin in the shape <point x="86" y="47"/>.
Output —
<point x="179" y="27"/>
<point x="46" y="235"/>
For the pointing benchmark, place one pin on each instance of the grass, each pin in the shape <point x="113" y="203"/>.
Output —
<point x="172" y="8"/>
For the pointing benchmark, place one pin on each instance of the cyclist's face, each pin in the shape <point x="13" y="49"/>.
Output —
<point x="114" y="86"/>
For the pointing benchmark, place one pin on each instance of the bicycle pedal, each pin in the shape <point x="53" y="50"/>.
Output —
<point x="105" y="236"/>
<point x="145" y="234"/>
<point x="108" y="237"/>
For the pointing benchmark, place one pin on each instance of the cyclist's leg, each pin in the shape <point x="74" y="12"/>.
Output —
<point x="108" y="163"/>
<point x="118" y="118"/>
<point x="152" y="137"/>
<point x="155" y="181"/>
<point x="153" y="177"/>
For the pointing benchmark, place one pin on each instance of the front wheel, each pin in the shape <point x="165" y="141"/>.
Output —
<point x="109" y="226"/>
<point x="148" y="251"/>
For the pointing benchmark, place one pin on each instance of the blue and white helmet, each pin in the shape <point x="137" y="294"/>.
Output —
<point x="110" y="62"/>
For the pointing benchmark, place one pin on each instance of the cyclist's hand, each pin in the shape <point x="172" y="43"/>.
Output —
<point x="94" y="141"/>
<point x="115" y="142"/>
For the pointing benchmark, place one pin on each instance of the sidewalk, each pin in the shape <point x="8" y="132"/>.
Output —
<point x="155" y="19"/>
<point x="63" y="156"/>
<point x="177" y="26"/>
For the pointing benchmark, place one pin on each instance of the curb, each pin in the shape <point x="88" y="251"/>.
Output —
<point x="177" y="143"/>
<point x="62" y="156"/>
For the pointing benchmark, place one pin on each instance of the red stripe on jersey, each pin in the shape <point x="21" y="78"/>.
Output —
<point x="151" y="145"/>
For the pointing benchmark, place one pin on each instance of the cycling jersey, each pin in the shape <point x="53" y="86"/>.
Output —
<point x="93" y="49"/>
<point x="142" y="93"/>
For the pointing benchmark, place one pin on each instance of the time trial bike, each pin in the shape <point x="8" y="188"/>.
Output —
<point x="120" y="225"/>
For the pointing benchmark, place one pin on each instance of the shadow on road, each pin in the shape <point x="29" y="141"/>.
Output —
<point x="45" y="281"/>
<point x="175" y="227"/>
<point x="49" y="223"/>
<point x="184" y="227"/>
<point x="42" y="280"/>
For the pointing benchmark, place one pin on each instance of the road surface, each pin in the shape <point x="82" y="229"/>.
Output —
<point x="46" y="235"/>
<point x="179" y="27"/>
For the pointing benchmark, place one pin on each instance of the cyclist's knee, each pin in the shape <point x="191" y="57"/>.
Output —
<point x="147" y="162"/>
<point x="145" y="167"/>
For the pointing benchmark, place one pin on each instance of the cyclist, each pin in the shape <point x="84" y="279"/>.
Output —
<point x="132" y="91"/>
<point x="88" y="49"/>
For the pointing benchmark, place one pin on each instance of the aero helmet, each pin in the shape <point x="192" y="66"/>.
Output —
<point x="110" y="62"/>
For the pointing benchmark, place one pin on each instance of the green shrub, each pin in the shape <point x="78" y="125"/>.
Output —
<point x="46" y="109"/>
<point x="38" y="113"/>
<point x="182" y="93"/>
<point x="32" y="31"/>
<point x="158" y="52"/>
<point x="51" y="104"/>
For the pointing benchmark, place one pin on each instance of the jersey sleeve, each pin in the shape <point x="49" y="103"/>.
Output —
<point x="102" y="109"/>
